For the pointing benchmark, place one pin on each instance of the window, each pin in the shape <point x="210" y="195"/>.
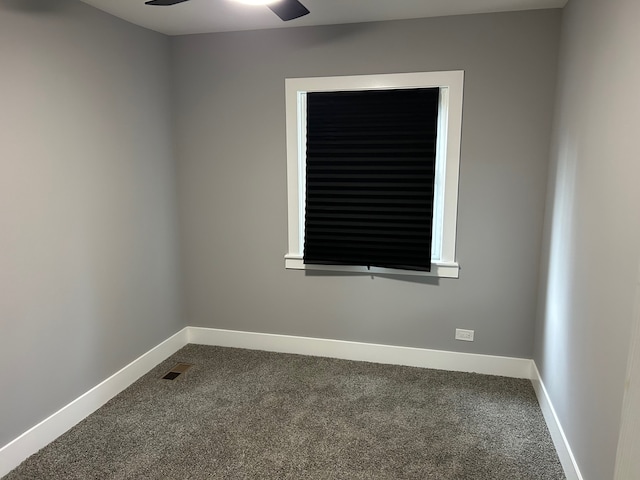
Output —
<point x="449" y="87"/>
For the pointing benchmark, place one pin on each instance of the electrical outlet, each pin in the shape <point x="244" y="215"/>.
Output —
<point x="466" y="335"/>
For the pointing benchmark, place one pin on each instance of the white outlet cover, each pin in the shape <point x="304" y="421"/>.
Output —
<point x="466" y="335"/>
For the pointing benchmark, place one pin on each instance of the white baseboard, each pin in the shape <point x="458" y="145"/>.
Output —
<point x="366" y="352"/>
<point x="12" y="454"/>
<point x="568" y="461"/>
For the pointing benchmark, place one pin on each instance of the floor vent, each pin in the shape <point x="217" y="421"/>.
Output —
<point x="177" y="371"/>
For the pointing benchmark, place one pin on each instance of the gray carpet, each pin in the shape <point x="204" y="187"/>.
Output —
<point x="241" y="414"/>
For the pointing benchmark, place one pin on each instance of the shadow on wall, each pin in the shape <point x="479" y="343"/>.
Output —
<point x="33" y="6"/>
<point x="424" y="280"/>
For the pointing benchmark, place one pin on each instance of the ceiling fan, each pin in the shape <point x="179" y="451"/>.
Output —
<point x="285" y="9"/>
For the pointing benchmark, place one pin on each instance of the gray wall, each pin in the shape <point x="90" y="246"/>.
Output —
<point x="88" y="251"/>
<point x="229" y="94"/>
<point x="592" y="228"/>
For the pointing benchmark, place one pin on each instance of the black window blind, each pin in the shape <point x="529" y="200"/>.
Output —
<point x="370" y="177"/>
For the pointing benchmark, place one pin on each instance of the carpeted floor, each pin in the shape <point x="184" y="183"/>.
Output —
<point x="241" y="414"/>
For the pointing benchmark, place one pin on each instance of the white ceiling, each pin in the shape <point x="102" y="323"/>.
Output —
<point x="200" y="16"/>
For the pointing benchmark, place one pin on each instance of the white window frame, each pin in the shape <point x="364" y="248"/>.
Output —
<point x="451" y="83"/>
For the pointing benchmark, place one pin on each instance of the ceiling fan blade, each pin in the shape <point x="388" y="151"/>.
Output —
<point x="163" y="3"/>
<point x="288" y="9"/>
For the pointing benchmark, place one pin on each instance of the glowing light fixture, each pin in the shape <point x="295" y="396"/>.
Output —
<point x="285" y="9"/>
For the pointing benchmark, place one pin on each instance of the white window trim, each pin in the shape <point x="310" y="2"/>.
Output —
<point x="451" y="83"/>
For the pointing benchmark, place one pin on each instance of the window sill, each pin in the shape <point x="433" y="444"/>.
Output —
<point x="438" y="269"/>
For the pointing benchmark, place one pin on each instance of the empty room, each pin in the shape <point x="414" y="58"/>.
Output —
<point x="319" y="239"/>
